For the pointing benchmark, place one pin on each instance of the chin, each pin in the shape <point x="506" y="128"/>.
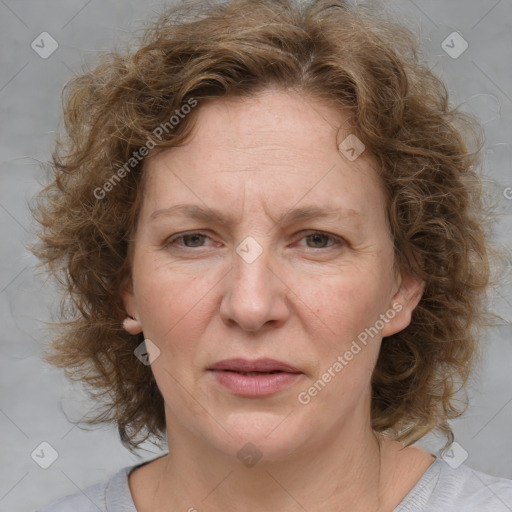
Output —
<point x="273" y="437"/>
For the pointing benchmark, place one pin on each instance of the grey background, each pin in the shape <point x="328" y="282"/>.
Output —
<point x="35" y="398"/>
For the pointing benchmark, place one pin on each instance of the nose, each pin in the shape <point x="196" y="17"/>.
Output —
<point x="255" y="296"/>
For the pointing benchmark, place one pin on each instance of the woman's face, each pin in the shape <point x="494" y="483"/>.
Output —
<point x="258" y="239"/>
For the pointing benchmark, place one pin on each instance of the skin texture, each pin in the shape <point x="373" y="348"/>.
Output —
<point x="302" y="301"/>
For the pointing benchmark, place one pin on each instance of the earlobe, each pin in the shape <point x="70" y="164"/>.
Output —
<point x="403" y="303"/>
<point x="132" y="325"/>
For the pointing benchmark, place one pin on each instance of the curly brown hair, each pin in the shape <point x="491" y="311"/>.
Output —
<point x="360" y="60"/>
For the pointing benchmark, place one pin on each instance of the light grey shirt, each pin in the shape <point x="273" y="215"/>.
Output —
<point x="440" y="489"/>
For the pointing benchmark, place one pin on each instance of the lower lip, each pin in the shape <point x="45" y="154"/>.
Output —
<point x="256" y="385"/>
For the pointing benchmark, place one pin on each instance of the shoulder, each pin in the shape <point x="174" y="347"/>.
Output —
<point x="111" y="495"/>
<point x="466" y="489"/>
<point x="458" y="489"/>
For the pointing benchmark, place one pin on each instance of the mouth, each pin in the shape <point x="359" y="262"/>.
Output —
<point x="252" y="374"/>
<point x="257" y="378"/>
<point x="255" y="367"/>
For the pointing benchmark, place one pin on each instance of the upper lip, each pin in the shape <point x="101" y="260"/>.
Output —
<point x="257" y="365"/>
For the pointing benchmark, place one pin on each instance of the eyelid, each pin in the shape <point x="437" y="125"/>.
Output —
<point x="303" y="234"/>
<point x="179" y="236"/>
<point x="334" y="238"/>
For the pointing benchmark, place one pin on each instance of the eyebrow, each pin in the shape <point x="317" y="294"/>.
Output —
<point x="205" y="214"/>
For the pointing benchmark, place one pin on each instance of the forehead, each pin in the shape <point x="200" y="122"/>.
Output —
<point x="279" y="146"/>
<point x="272" y="122"/>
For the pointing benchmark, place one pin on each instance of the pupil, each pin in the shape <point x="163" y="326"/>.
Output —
<point x="195" y="240"/>
<point x="317" y="240"/>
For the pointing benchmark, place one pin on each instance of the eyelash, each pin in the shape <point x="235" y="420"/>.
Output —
<point x="334" y="239"/>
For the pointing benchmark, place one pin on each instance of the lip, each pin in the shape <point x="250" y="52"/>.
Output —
<point x="230" y="374"/>
<point x="257" y="365"/>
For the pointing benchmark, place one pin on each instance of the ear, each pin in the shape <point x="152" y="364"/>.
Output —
<point x="131" y="323"/>
<point x="403" y="303"/>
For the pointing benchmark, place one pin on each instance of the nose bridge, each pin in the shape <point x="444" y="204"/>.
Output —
<point x="250" y="272"/>
<point x="251" y="265"/>
<point x="254" y="296"/>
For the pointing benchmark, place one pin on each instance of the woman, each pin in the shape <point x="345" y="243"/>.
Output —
<point x="269" y="228"/>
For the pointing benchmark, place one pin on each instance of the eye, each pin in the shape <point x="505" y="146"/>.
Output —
<point x="320" y="240"/>
<point x="188" y="240"/>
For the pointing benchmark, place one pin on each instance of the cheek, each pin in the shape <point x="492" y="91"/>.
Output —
<point x="174" y="305"/>
<point x="344" y="338"/>
<point x="344" y="305"/>
<point x="346" y="343"/>
<point x="175" y="320"/>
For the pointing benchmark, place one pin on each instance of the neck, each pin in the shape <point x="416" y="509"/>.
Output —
<point x="343" y="474"/>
